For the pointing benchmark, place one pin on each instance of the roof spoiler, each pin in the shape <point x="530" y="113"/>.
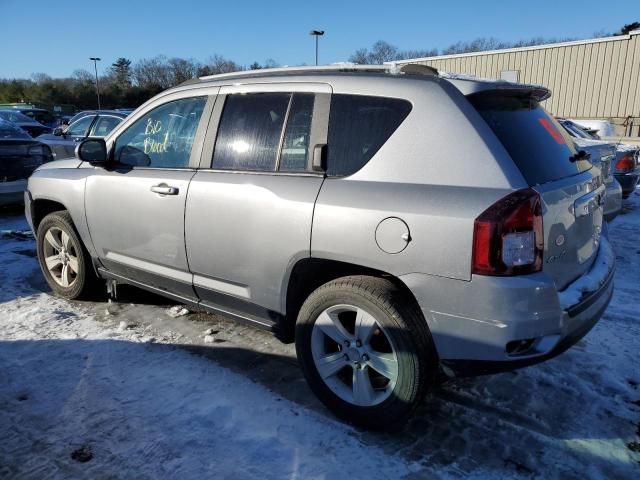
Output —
<point x="470" y="85"/>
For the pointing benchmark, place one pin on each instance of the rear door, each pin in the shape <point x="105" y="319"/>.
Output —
<point x="571" y="189"/>
<point x="250" y="206"/>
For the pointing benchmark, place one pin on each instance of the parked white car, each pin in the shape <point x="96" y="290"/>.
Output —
<point x="603" y="128"/>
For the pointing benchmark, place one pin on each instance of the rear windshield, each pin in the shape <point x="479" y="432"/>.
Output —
<point x="14" y="116"/>
<point x="540" y="147"/>
<point x="11" y="130"/>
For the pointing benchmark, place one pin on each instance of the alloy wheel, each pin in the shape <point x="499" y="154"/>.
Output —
<point x="354" y="356"/>
<point x="60" y="256"/>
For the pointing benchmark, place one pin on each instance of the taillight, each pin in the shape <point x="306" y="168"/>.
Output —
<point x="626" y="163"/>
<point x="508" y="237"/>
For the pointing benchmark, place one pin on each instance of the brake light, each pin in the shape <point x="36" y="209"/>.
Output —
<point x="508" y="237"/>
<point x="626" y="163"/>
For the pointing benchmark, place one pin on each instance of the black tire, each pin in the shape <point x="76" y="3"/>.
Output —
<point x="403" y="324"/>
<point x="85" y="280"/>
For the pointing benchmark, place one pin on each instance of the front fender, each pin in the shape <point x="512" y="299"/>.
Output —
<point x="65" y="186"/>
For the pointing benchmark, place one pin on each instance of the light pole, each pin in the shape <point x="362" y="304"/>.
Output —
<point x="95" y="67"/>
<point x="316" y="33"/>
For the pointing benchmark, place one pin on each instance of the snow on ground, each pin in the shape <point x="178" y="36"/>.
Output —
<point x="145" y="390"/>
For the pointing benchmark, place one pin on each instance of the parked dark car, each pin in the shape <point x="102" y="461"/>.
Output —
<point x="45" y="117"/>
<point x="28" y="124"/>
<point x="626" y="166"/>
<point x="63" y="141"/>
<point x="20" y="155"/>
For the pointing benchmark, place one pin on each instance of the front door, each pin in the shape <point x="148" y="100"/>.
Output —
<point x="135" y="208"/>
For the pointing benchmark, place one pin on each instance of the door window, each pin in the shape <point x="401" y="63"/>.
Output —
<point x="104" y="125"/>
<point x="79" y="128"/>
<point x="295" y="144"/>
<point x="163" y="137"/>
<point x="250" y="130"/>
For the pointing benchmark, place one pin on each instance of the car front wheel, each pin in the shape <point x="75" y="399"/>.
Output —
<point x="64" y="261"/>
<point x="366" y="351"/>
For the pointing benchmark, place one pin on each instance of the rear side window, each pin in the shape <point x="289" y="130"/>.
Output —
<point x="250" y="130"/>
<point x="537" y="143"/>
<point x="358" y="126"/>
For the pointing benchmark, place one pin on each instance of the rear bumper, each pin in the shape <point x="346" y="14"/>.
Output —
<point x="12" y="193"/>
<point x="585" y="316"/>
<point x="475" y="325"/>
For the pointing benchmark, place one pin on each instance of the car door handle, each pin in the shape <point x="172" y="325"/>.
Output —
<point x="164" y="189"/>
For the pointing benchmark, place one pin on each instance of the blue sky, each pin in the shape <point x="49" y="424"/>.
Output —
<point x="57" y="37"/>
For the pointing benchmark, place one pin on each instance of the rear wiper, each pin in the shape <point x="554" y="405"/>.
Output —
<point x="581" y="155"/>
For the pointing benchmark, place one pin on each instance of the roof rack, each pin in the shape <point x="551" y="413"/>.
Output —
<point x="337" y="67"/>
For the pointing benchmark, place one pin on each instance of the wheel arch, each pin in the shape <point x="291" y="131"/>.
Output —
<point x="310" y="273"/>
<point x="42" y="207"/>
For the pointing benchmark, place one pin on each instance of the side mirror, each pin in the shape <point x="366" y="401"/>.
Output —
<point x="92" y="150"/>
<point x="58" y="131"/>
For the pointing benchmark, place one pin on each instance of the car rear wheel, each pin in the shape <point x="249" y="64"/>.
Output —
<point x="64" y="261"/>
<point x="366" y="351"/>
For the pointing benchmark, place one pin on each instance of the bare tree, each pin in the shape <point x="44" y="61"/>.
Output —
<point x="403" y="55"/>
<point x="153" y="72"/>
<point x="270" y="63"/>
<point x="182" y="69"/>
<point x="382" y="52"/>
<point x="629" y="27"/>
<point x="477" y="45"/>
<point x="361" y="56"/>
<point x="82" y="75"/>
<point x="218" y="64"/>
<point x="40" y="78"/>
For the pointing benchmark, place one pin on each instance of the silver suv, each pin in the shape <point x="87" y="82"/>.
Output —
<point x="397" y="224"/>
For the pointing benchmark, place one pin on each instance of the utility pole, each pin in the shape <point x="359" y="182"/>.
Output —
<point x="95" y="67"/>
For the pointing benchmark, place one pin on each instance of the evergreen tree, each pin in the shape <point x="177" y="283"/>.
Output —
<point x="121" y="71"/>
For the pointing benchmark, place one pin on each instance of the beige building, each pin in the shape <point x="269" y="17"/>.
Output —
<point x="598" y="78"/>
